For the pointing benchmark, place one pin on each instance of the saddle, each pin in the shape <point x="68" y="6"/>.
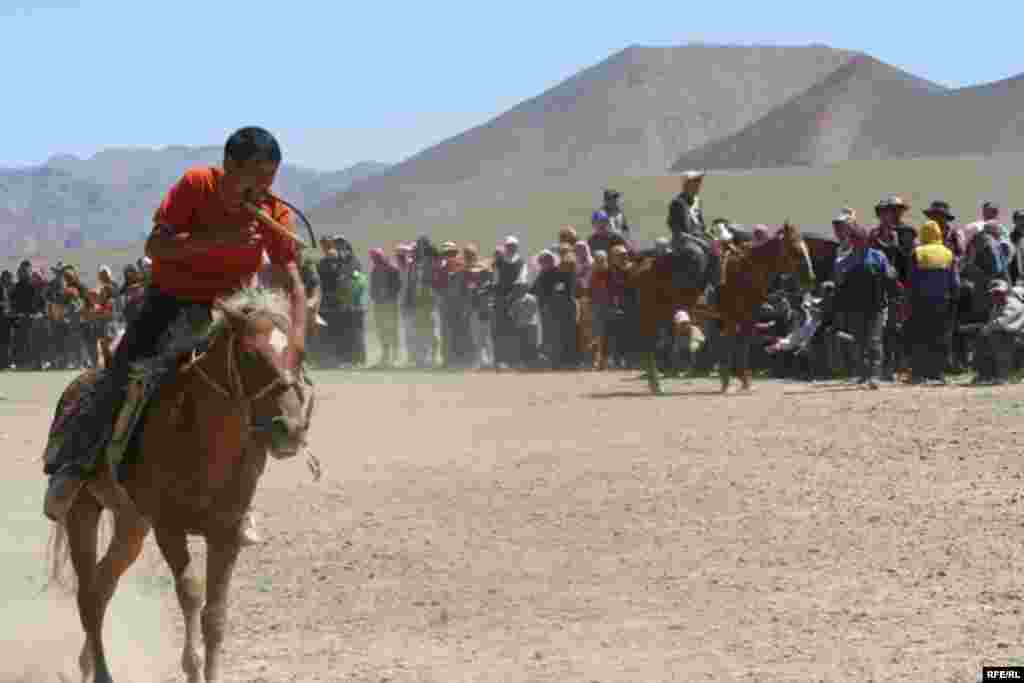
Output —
<point x="189" y="334"/>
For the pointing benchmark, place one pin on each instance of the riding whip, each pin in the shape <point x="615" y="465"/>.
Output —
<point x="267" y="220"/>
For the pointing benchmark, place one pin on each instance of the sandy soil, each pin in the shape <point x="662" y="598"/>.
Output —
<point x="569" y="527"/>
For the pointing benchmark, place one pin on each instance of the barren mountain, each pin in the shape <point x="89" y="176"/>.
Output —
<point x="828" y="123"/>
<point x="869" y="110"/>
<point x="634" y="113"/>
<point x="976" y="121"/>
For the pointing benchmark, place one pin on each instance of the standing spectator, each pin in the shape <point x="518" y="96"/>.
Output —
<point x="6" y="318"/>
<point x="952" y="236"/>
<point x="510" y="272"/>
<point x="449" y="312"/>
<point x="865" y="280"/>
<point x="933" y="285"/>
<point x="25" y="303"/>
<point x="603" y="239"/>
<point x="331" y="273"/>
<point x="406" y="318"/>
<point x="584" y="271"/>
<point x="555" y="289"/>
<point x="103" y="313"/>
<point x="314" y="295"/>
<point x="354" y="331"/>
<point x="525" y="317"/>
<point x="567" y="235"/>
<point x="612" y="207"/>
<point x="385" y="286"/>
<point x="421" y="302"/>
<point x="1016" y="266"/>
<point x="886" y="239"/>
<point x="619" y="334"/>
<point x="69" y="329"/>
<point x="477" y="280"/>
<point x="886" y="236"/>
<point x="601" y="309"/>
<point x="132" y="292"/>
<point x="993" y="359"/>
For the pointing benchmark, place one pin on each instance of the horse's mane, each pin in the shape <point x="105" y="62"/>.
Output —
<point x="256" y="301"/>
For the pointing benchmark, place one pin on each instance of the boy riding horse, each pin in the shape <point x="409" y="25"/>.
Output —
<point x="205" y="244"/>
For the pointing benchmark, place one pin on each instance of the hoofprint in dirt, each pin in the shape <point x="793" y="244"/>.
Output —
<point x="570" y="527"/>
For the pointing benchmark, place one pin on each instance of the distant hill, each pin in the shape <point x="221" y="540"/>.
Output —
<point x="869" y="110"/>
<point x="828" y="123"/>
<point x="633" y="114"/>
<point x="110" y="197"/>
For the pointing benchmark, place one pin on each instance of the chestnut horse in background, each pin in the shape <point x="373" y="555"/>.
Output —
<point x="192" y="468"/>
<point x="747" y="275"/>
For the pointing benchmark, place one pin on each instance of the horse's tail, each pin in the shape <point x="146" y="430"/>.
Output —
<point x="59" y="573"/>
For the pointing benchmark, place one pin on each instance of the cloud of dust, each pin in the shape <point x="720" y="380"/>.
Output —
<point x="40" y="635"/>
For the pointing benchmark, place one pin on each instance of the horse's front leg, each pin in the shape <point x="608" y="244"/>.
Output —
<point x="222" y="554"/>
<point x="188" y="586"/>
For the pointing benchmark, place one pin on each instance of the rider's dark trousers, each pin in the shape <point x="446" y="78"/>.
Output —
<point x="89" y="429"/>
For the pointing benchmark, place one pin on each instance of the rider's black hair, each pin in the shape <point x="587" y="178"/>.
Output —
<point x="252" y="144"/>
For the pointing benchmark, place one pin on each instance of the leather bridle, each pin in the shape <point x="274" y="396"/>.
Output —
<point x="235" y="389"/>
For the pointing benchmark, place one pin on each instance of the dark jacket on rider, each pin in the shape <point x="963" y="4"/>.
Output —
<point x="684" y="218"/>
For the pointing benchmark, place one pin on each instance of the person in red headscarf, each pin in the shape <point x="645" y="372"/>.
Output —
<point x="865" y="280"/>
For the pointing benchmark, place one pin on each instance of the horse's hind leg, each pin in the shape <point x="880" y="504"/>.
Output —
<point x="130" y="531"/>
<point x="83" y="538"/>
<point x="188" y="586"/>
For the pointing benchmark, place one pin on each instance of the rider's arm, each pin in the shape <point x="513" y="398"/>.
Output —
<point x="283" y="254"/>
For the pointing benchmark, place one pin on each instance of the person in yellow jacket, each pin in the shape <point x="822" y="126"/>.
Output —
<point x="933" y="282"/>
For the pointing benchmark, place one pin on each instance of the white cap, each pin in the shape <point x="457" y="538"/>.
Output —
<point x="511" y="241"/>
<point x="694" y="175"/>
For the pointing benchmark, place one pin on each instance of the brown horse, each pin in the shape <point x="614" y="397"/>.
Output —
<point x="747" y="275"/>
<point x="193" y="469"/>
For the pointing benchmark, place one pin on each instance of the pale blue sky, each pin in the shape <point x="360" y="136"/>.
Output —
<point x="349" y="80"/>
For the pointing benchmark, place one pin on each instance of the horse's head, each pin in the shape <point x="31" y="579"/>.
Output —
<point x="794" y="255"/>
<point x="278" y="401"/>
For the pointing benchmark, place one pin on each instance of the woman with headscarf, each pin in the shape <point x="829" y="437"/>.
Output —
<point x="601" y="305"/>
<point x="71" y="294"/>
<point x="454" y="325"/>
<point x="104" y="312"/>
<point x="584" y="270"/>
<point x="470" y="298"/>
<point x="385" y="285"/>
<point x="623" y="300"/>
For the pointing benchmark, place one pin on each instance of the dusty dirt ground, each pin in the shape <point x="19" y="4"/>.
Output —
<point x="569" y="527"/>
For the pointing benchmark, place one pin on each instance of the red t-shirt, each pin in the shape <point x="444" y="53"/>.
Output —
<point x="193" y="204"/>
